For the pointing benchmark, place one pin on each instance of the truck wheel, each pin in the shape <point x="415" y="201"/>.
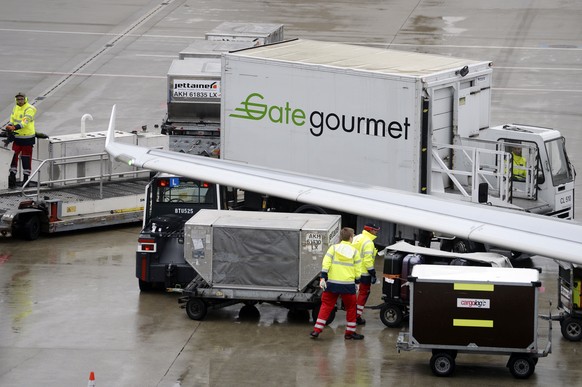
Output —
<point x="572" y="329"/>
<point x="310" y="209"/>
<point x="315" y="313"/>
<point x="30" y="230"/>
<point x="145" y="286"/>
<point x="249" y="313"/>
<point x="465" y="246"/>
<point x="442" y="364"/>
<point x="391" y="315"/>
<point x="521" y="366"/>
<point x="196" y="308"/>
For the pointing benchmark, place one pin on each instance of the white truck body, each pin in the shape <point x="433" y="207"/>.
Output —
<point x="402" y="120"/>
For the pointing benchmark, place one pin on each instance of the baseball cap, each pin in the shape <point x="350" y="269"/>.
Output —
<point x="371" y="227"/>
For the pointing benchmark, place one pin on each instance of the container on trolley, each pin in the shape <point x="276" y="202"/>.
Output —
<point x="485" y="310"/>
<point x="254" y="257"/>
<point x="569" y="300"/>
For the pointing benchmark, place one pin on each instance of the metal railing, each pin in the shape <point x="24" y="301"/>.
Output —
<point x="479" y="165"/>
<point x="104" y="174"/>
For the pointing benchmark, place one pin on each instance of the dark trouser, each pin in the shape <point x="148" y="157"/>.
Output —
<point x="328" y="301"/>
<point x="25" y="154"/>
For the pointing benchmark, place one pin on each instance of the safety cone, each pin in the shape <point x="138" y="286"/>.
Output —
<point x="91" y="382"/>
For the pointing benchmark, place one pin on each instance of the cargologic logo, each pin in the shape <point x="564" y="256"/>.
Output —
<point x="473" y="303"/>
<point x="254" y="108"/>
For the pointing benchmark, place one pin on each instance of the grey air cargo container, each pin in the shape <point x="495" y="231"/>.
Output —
<point x="486" y="310"/>
<point x="258" y="33"/>
<point x="253" y="257"/>
<point x="211" y="48"/>
<point x="402" y="120"/>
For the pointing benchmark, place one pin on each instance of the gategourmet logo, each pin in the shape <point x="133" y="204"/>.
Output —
<point x="254" y="108"/>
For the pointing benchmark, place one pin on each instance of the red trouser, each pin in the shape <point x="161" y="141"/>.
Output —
<point x="25" y="153"/>
<point x="363" y="295"/>
<point x="328" y="301"/>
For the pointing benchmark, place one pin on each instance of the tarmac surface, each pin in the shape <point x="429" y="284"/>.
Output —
<point x="70" y="304"/>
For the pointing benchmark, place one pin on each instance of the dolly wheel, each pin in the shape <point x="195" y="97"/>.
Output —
<point x="442" y="364"/>
<point x="521" y="366"/>
<point x="391" y="315"/>
<point x="572" y="329"/>
<point x="196" y="308"/>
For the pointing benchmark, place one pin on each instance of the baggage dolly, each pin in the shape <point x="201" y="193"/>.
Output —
<point x="569" y="301"/>
<point x="456" y="309"/>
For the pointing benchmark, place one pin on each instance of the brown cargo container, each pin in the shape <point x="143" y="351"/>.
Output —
<point x="474" y="309"/>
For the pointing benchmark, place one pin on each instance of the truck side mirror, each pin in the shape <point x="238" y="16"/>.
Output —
<point x="482" y="194"/>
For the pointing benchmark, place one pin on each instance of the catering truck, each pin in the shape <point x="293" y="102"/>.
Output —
<point x="403" y="120"/>
<point x="75" y="185"/>
<point x="194" y="87"/>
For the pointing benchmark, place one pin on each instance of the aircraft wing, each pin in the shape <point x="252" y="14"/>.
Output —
<point x="520" y="231"/>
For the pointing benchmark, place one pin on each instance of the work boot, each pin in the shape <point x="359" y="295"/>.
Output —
<point x="360" y="321"/>
<point x="353" y="336"/>
<point x="314" y="335"/>
<point x="12" y="180"/>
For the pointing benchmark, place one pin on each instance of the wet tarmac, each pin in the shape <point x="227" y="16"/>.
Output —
<point x="70" y="304"/>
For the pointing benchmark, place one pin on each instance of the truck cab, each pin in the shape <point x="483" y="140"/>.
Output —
<point x="547" y="186"/>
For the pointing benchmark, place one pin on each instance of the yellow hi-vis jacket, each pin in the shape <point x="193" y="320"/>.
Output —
<point x="24" y="117"/>
<point x="519" y="161"/>
<point x="341" y="268"/>
<point x="364" y="242"/>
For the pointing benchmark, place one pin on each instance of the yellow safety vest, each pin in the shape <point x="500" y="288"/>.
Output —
<point x="24" y="116"/>
<point x="342" y="264"/>
<point x="364" y="242"/>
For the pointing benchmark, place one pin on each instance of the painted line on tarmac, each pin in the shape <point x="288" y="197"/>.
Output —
<point x="77" y="74"/>
<point x="84" y="74"/>
<point x="542" y="47"/>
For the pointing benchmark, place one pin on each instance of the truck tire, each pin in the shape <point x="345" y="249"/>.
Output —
<point x="310" y="209"/>
<point x="249" y="312"/>
<point x="571" y="328"/>
<point x="315" y="313"/>
<point x="30" y="230"/>
<point x="145" y="286"/>
<point x="196" y="308"/>
<point x="391" y="315"/>
<point x="442" y="364"/>
<point x="465" y="246"/>
<point x="521" y="366"/>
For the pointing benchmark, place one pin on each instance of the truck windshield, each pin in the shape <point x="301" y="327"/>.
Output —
<point x="559" y="165"/>
<point x="193" y="192"/>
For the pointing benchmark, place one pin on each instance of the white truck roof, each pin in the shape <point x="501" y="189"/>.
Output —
<point x="358" y="57"/>
<point x="499" y="275"/>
